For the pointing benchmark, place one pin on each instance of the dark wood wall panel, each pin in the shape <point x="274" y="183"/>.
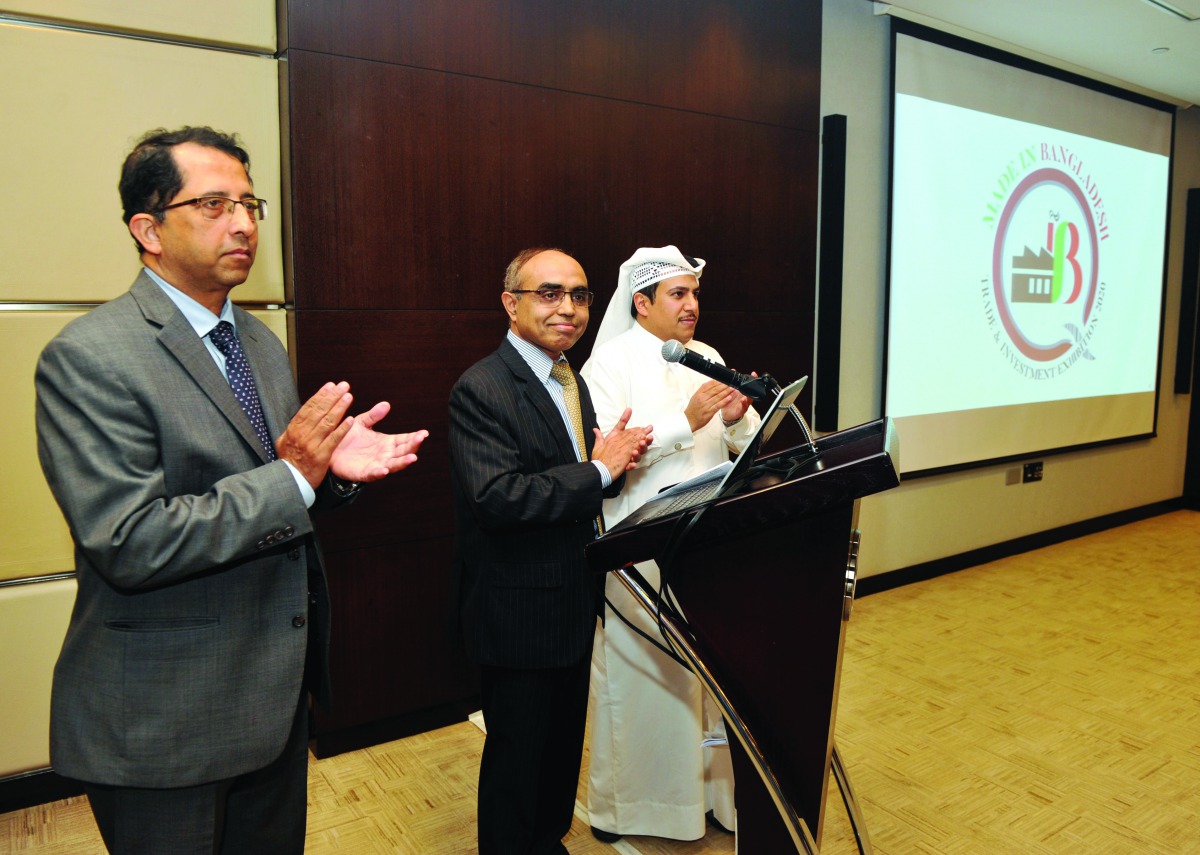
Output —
<point x="410" y="359"/>
<point x="439" y="179"/>
<point x="428" y="144"/>
<point x="748" y="59"/>
<point x="386" y="604"/>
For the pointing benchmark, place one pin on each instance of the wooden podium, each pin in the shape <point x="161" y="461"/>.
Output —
<point x="764" y="579"/>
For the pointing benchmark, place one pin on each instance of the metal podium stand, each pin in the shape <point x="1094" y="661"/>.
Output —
<point x="764" y="581"/>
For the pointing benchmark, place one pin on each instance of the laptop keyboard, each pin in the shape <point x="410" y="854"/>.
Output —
<point x="687" y="498"/>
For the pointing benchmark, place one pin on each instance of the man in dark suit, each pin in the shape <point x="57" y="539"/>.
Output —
<point x="201" y="617"/>
<point x="530" y="470"/>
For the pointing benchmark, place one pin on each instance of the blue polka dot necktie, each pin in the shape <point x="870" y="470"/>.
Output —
<point x="242" y="381"/>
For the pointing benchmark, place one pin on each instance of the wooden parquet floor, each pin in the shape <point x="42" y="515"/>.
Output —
<point x="1045" y="703"/>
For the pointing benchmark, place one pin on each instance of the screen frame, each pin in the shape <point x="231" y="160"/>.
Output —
<point x="907" y="28"/>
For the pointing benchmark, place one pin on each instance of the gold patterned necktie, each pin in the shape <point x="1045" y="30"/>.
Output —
<point x="562" y="372"/>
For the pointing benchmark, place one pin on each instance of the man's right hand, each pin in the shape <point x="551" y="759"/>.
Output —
<point x="316" y="430"/>
<point x="709" y="399"/>
<point x="622" y="447"/>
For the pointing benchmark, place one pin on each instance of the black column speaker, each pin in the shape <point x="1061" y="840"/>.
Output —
<point x="1187" y="296"/>
<point x="829" y="274"/>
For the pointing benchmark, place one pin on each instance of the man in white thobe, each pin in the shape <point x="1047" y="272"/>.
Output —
<point x="658" y="758"/>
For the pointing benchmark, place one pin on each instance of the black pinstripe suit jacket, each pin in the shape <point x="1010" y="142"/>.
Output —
<point x="524" y="510"/>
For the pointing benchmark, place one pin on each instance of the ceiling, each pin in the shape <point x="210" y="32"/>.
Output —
<point x="1116" y="41"/>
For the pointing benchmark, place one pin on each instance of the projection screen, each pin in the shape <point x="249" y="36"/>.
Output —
<point x="1027" y="246"/>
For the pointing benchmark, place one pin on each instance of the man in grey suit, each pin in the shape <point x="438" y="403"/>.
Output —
<point x="530" y="469"/>
<point x="201" y="620"/>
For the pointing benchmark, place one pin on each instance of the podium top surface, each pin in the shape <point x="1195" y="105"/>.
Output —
<point x="778" y="489"/>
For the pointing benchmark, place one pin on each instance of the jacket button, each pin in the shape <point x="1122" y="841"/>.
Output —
<point x="294" y="554"/>
<point x="289" y="531"/>
<point x="298" y="621"/>
<point x="678" y="446"/>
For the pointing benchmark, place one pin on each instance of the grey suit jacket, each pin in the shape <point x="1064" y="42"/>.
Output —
<point x="524" y="510"/>
<point x="185" y="653"/>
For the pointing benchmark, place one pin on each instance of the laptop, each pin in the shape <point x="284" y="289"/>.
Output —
<point x="724" y="478"/>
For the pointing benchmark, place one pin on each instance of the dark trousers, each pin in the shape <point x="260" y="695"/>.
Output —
<point x="531" y="757"/>
<point x="260" y="813"/>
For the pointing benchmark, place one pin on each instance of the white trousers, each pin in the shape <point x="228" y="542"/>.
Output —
<point x="658" y="760"/>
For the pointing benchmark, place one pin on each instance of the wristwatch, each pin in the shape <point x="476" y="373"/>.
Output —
<point x="343" y="488"/>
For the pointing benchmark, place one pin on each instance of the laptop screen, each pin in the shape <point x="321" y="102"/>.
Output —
<point x="771" y="419"/>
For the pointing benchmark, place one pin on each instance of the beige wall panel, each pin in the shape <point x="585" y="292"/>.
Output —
<point x="72" y="105"/>
<point x="34" y="540"/>
<point x="33" y="621"/>
<point x="248" y="24"/>
<point x="276" y="319"/>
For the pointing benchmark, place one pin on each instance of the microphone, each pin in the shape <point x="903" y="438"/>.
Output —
<point x="754" y="388"/>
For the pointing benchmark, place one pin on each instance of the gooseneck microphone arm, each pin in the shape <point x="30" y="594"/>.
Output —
<point x="774" y="388"/>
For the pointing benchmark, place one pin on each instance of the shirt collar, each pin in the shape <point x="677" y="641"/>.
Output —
<point x="647" y="340"/>
<point x="538" y="360"/>
<point x="200" y="317"/>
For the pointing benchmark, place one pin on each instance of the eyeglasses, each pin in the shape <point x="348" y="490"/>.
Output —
<point x="554" y="296"/>
<point x="214" y="207"/>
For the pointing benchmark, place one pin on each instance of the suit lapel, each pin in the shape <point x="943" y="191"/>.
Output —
<point x="180" y="339"/>
<point x="588" y="410"/>
<point x="531" y="387"/>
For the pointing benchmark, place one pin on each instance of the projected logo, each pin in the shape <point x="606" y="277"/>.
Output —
<point x="1045" y="290"/>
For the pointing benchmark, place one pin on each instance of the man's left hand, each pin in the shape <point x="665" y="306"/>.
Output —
<point x="366" y="455"/>
<point x="734" y="410"/>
